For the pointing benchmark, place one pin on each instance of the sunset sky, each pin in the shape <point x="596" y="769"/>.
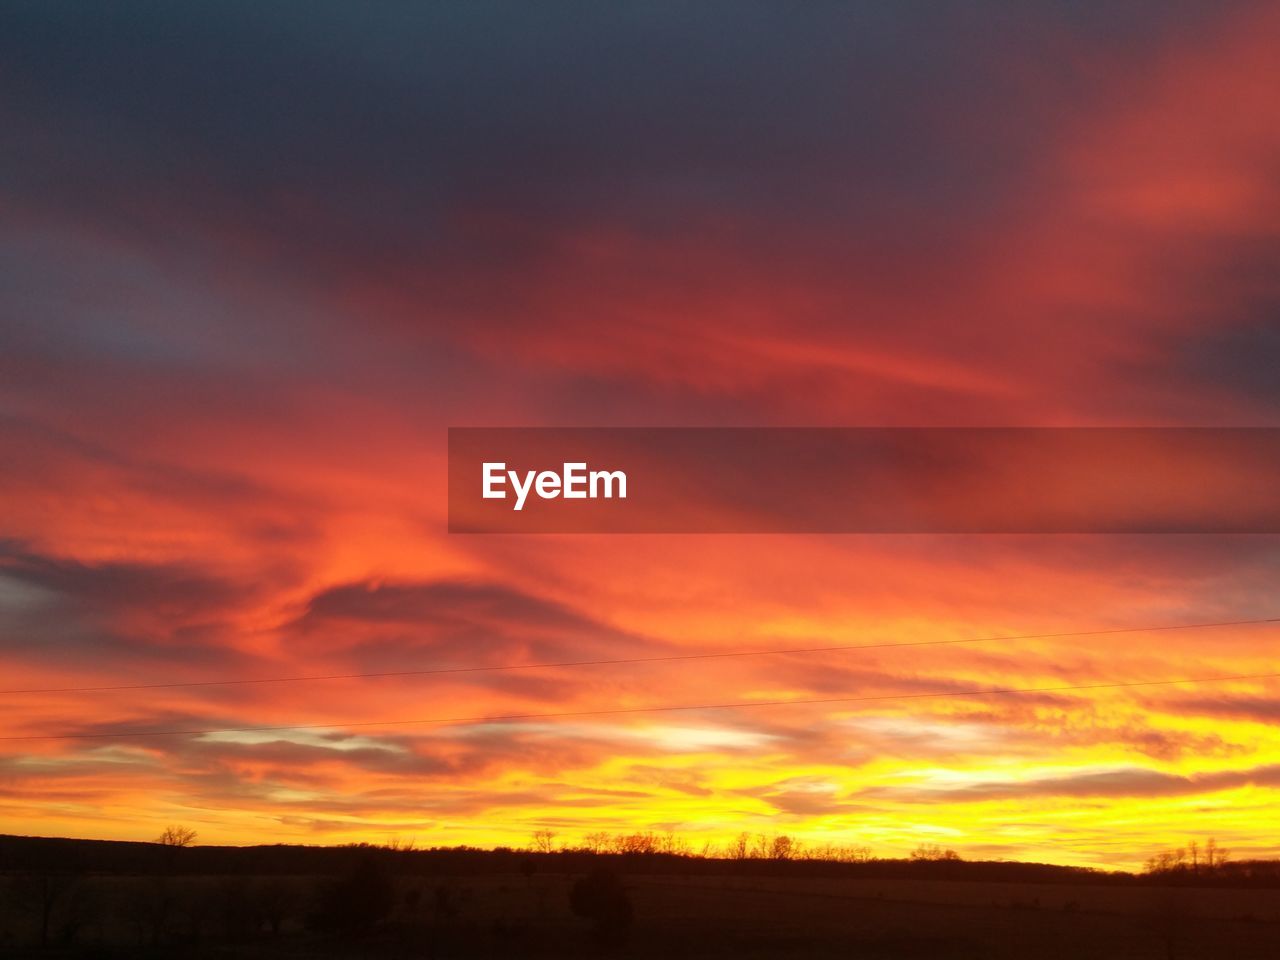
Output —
<point x="255" y="260"/>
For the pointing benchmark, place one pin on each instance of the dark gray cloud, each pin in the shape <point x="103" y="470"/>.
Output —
<point x="1242" y="358"/>
<point x="474" y="623"/>
<point x="439" y="602"/>
<point x="131" y="620"/>
<point x="41" y="453"/>
<point x="178" y="590"/>
<point x="803" y="797"/>
<point x="443" y="165"/>
<point x="1122" y="782"/>
<point x="1256" y="709"/>
<point x="331" y="123"/>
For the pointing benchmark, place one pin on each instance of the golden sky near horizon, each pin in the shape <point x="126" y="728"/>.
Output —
<point x="237" y="317"/>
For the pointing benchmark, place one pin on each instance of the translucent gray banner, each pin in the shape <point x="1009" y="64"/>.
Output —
<point x="864" y="480"/>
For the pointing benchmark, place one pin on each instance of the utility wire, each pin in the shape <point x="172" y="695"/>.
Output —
<point x="617" y="711"/>
<point x="621" y="661"/>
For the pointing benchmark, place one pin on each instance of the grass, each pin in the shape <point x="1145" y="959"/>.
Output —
<point x="675" y="917"/>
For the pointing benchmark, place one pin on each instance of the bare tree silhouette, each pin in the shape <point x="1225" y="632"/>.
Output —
<point x="932" y="851"/>
<point x="544" y="841"/>
<point x="782" y="847"/>
<point x="176" y="836"/>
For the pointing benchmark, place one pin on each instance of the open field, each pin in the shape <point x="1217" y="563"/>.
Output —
<point x="674" y="916"/>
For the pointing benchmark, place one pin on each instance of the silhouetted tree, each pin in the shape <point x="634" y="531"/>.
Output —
<point x="1193" y="859"/>
<point x="782" y="847"/>
<point x="640" y="842"/>
<point x="544" y="841"/>
<point x="672" y="844"/>
<point x="839" y="853"/>
<point x="176" y="835"/>
<point x="172" y="839"/>
<point x="596" y="842"/>
<point x="1214" y="855"/>
<point x="931" y="851"/>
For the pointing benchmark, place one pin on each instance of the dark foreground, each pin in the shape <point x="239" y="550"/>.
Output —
<point x="63" y="898"/>
<point x="670" y="917"/>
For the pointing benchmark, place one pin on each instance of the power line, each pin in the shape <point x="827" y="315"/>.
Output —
<point x="621" y="661"/>
<point x="618" y="711"/>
